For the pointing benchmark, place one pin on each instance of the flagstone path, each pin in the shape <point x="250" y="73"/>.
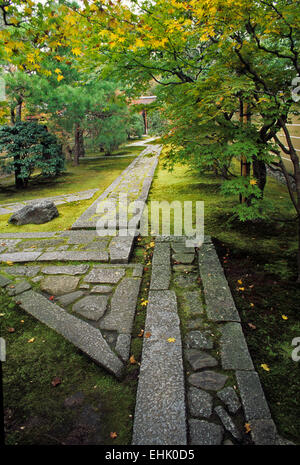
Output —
<point x="197" y="383"/>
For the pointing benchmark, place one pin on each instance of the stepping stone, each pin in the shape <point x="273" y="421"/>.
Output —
<point x="123" y="346"/>
<point x="59" y="285"/>
<point x="105" y="275"/>
<point x="68" y="299"/>
<point x="19" y="288"/>
<point x="185" y="258"/>
<point x="193" y="303"/>
<point x="122" y="307"/>
<point x="69" y="269"/>
<point x="210" y="380"/>
<point x="82" y="334"/>
<point x="186" y="280"/>
<point x="199" y="359"/>
<point x="29" y="271"/>
<point x="234" y="350"/>
<point x="198" y="340"/>
<point x="204" y="433"/>
<point x="102" y="289"/>
<point x="180" y="248"/>
<point x="91" y="307"/>
<point x="184" y="268"/>
<point x="228" y="422"/>
<point x="230" y="399"/>
<point x="200" y="403"/>
<point x="4" y="281"/>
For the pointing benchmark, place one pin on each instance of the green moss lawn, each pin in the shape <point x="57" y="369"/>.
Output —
<point x="260" y="265"/>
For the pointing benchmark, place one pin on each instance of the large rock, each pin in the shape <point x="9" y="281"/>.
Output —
<point x="36" y="213"/>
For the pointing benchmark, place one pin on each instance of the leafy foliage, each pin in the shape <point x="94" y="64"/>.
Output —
<point x="29" y="146"/>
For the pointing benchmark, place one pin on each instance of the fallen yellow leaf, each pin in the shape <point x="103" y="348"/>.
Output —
<point x="265" y="367"/>
<point x="32" y="339"/>
<point x="171" y="339"/>
<point x="247" y="427"/>
<point x="113" y="435"/>
<point x="284" y="317"/>
<point x="9" y="263"/>
<point x="132" y="360"/>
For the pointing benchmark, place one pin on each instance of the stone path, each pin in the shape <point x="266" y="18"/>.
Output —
<point x="201" y="390"/>
<point x="135" y="181"/>
<point x="7" y="208"/>
<point x="197" y="383"/>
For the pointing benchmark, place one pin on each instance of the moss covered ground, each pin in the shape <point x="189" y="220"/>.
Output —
<point x="260" y="264"/>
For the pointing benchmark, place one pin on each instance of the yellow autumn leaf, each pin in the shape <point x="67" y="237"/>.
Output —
<point x="9" y="263"/>
<point x="284" y="317"/>
<point x="171" y="339"/>
<point x="31" y="340"/>
<point x="132" y="360"/>
<point x="139" y="43"/>
<point x="76" y="51"/>
<point x="247" y="427"/>
<point x="240" y="281"/>
<point x="265" y="367"/>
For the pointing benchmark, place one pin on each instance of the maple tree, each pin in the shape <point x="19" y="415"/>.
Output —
<point x="224" y="68"/>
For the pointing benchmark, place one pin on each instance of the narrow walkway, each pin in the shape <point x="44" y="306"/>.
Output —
<point x="202" y="390"/>
<point x="197" y="383"/>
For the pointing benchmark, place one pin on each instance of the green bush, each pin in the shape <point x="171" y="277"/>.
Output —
<point x="28" y="146"/>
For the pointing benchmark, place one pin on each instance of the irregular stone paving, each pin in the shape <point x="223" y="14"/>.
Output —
<point x="223" y="390"/>
<point x="93" y="306"/>
<point x="87" y="293"/>
<point x="7" y="208"/>
<point x="199" y="390"/>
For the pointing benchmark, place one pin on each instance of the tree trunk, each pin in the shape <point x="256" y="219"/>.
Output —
<point x="81" y="143"/>
<point x="298" y="252"/>
<point x="77" y="145"/>
<point x="19" y="111"/>
<point x="19" y="183"/>
<point x="12" y="116"/>
<point x="260" y="173"/>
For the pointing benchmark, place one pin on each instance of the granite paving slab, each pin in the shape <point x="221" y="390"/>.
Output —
<point x="234" y="350"/>
<point x="220" y="305"/>
<point x="84" y="336"/>
<point x="91" y="307"/>
<point x="105" y="275"/>
<point x="123" y="304"/>
<point x="203" y="433"/>
<point x="160" y="417"/>
<point x="59" y="286"/>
